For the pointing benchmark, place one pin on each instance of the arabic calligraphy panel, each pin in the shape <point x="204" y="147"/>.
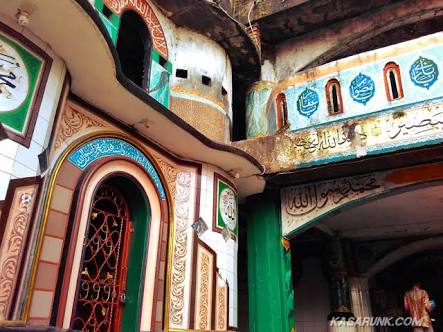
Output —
<point x="424" y="72"/>
<point x="301" y="204"/>
<point x="307" y="102"/>
<point x="226" y="211"/>
<point x="362" y="88"/>
<point x="104" y="147"/>
<point x="24" y="69"/>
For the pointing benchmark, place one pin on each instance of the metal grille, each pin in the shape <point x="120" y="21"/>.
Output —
<point x="103" y="273"/>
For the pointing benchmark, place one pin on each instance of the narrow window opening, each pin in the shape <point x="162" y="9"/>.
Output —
<point x="393" y="85"/>
<point x="206" y="80"/>
<point x="134" y="48"/>
<point x="335" y="105"/>
<point x="393" y="81"/>
<point x="282" y="111"/>
<point x="334" y="98"/>
<point x="182" y="73"/>
<point x="223" y="91"/>
<point x="107" y="12"/>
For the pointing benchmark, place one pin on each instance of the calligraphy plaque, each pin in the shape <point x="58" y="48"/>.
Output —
<point x="362" y="88"/>
<point x="307" y="102"/>
<point x="424" y="72"/>
<point x="225" y="206"/>
<point x="24" y="69"/>
<point x="304" y="203"/>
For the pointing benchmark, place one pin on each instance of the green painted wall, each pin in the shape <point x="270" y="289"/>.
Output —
<point x="271" y="295"/>
<point x="112" y="24"/>
<point x="159" y="78"/>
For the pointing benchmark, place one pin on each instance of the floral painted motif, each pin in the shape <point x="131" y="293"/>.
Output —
<point x="424" y="72"/>
<point x="362" y="88"/>
<point x="105" y="147"/>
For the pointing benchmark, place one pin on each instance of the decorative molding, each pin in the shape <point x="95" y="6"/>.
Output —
<point x="73" y="121"/>
<point x="104" y="147"/>
<point x="16" y="224"/>
<point x="180" y="249"/>
<point x="221" y="307"/>
<point x="169" y="172"/>
<point x="203" y="306"/>
<point x="204" y="287"/>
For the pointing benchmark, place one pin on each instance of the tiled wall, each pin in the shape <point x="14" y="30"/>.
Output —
<point x="17" y="161"/>
<point x="226" y="250"/>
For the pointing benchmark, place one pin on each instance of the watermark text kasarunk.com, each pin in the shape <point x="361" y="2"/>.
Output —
<point x="375" y="321"/>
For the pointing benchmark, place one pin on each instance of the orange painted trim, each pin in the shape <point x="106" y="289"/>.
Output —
<point x="328" y="90"/>
<point x="396" y="69"/>
<point x="281" y="111"/>
<point x="416" y="174"/>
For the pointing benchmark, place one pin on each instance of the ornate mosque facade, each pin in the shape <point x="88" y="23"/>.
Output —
<point x="242" y="165"/>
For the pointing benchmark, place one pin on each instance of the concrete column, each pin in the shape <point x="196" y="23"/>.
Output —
<point x="271" y="297"/>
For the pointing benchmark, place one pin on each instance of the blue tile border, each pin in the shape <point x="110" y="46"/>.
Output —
<point x="105" y="147"/>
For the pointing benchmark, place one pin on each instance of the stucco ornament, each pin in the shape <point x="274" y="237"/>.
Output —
<point x="307" y="102"/>
<point x="424" y="72"/>
<point x="362" y="88"/>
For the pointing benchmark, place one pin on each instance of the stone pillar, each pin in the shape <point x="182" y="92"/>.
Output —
<point x="336" y="269"/>
<point x="271" y="297"/>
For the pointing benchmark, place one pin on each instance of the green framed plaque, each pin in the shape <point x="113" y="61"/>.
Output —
<point x="24" y="71"/>
<point x="225" y="206"/>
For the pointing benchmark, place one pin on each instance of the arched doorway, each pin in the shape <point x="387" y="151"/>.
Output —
<point x="109" y="291"/>
<point x="361" y="259"/>
<point x="134" y="48"/>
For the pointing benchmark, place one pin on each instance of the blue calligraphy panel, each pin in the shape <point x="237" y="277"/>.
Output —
<point x="307" y="102"/>
<point x="424" y="72"/>
<point x="105" y="147"/>
<point x="362" y="88"/>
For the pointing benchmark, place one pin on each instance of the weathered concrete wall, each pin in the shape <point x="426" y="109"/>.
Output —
<point x="363" y="87"/>
<point x="204" y="106"/>
<point x="322" y="45"/>
<point x="189" y="97"/>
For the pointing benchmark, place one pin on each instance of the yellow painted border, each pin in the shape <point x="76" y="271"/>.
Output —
<point x="48" y="198"/>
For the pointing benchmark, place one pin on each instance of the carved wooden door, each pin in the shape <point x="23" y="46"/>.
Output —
<point x="102" y="280"/>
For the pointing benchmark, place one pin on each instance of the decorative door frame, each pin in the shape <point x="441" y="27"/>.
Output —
<point x="148" y="169"/>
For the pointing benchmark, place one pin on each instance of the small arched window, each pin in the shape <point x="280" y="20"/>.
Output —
<point x="393" y="86"/>
<point x="134" y="48"/>
<point x="333" y="97"/>
<point x="281" y="111"/>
